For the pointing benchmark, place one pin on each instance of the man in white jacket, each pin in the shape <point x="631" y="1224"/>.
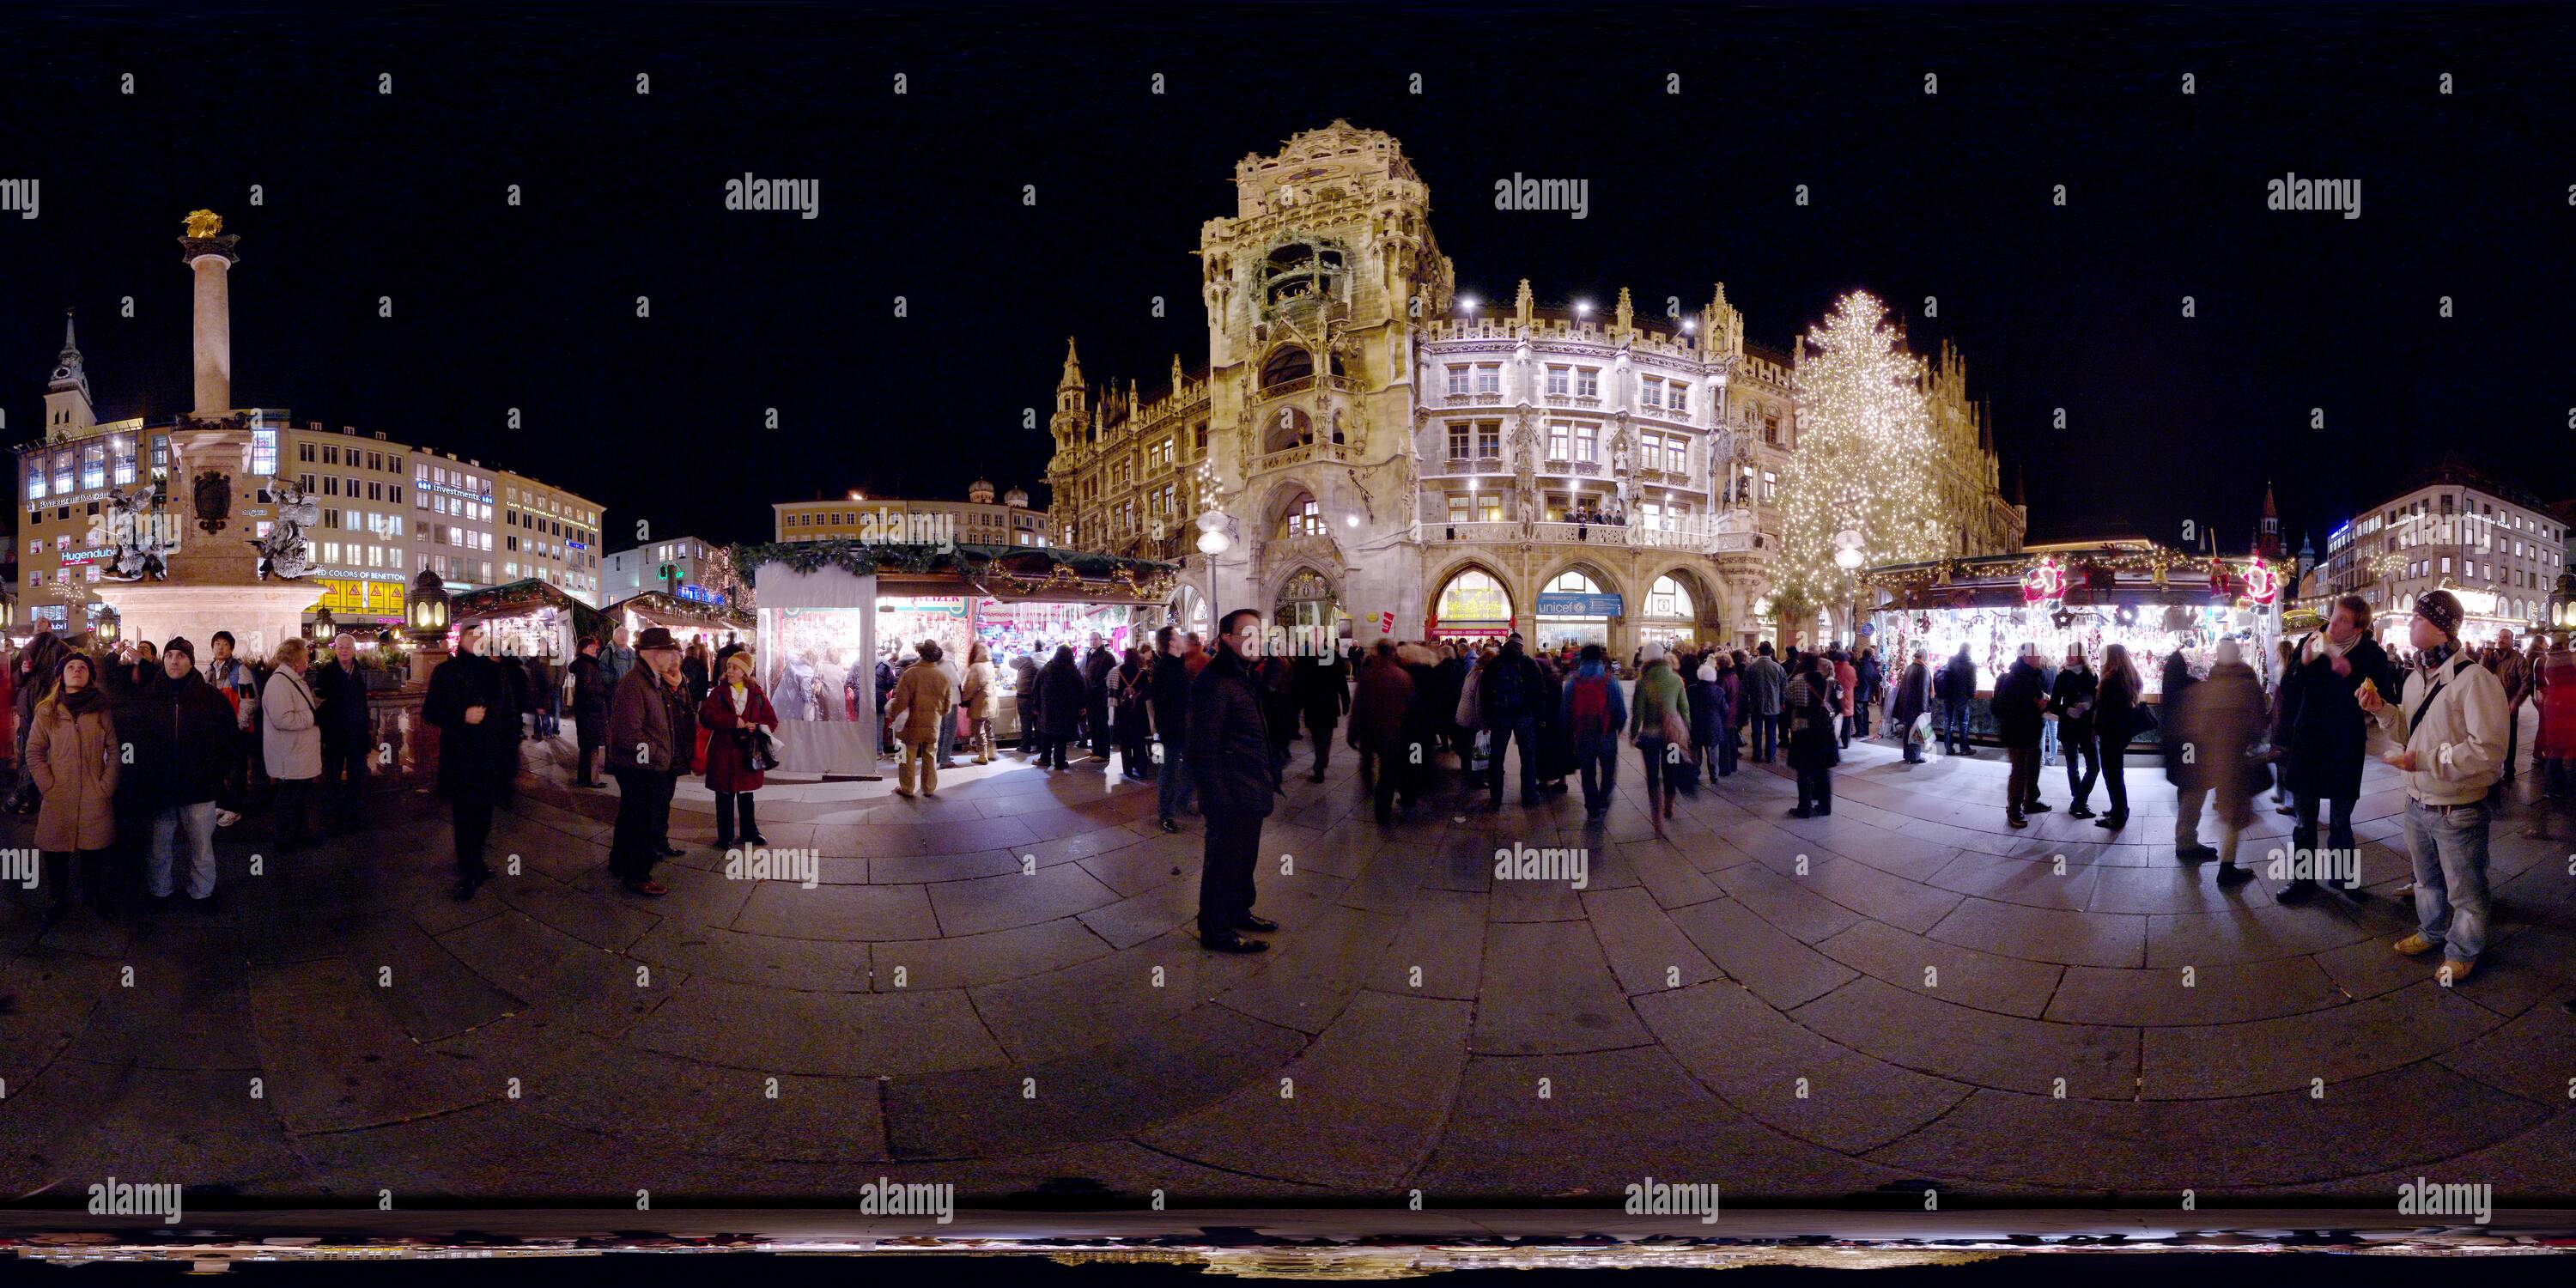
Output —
<point x="2450" y="735"/>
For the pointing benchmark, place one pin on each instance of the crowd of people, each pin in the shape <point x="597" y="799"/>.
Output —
<point x="133" y="758"/>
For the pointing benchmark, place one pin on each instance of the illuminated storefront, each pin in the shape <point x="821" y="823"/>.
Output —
<point x="1574" y="609"/>
<point x="1474" y="606"/>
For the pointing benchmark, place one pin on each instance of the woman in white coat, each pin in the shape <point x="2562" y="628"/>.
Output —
<point x="291" y="742"/>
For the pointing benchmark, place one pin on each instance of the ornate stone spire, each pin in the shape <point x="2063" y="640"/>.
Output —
<point x="1072" y="367"/>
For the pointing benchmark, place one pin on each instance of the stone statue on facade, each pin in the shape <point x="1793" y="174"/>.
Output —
<point x="137" y="548"/>
<point x="284" y="553"/>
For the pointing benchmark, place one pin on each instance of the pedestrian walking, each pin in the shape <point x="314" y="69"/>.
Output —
<point x="1595" y="711"/>
<point x="2120" y="717"/>
<point x="1167" y="701"/>
<point x="348" y="731"/>
<point x="649" y="734"/>
<point x="1815" y="746"/>
<point x="1024" y="700"/>
<point x="1910" y="702"/>
<point x="2020" y="705"/>
<point x="976" y="694"/>
<point x="543" y="696"/>
<point x="1321" y="687"/>
<point x="739" y="720"/>
<point x="2215" y="731"/>
<point x="74" y="758"/>
<point x="1507" y="697"/>
<point x="1766" y="692"/>
<point x="1062" y="699"/>
<point x="2072" y="698"/>
<point x="1380" y="710"/>
<point x="184" y="743"/>
<point x="1868" y="687"/>
<point x="1131" y="716"/>
<point x="1956" y="687"/>
<point x="473" y="703"/>
<point x="1097" y="666"/>
<point x="923" y="700"/>
<point x="590" y="692"/>
<point x="2510" y="672"/>
<point x="1237" y="777"/>
<point x="2324" y="736"/>
<point x="234" y="678"/>
<point x="291" y="743"/>
<point x="1659" y="724"/>
<point x="2449" y="728"/>
<point x="1846" y="677"/>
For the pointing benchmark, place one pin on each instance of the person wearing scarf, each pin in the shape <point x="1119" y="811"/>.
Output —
<point x="73" y="757"/>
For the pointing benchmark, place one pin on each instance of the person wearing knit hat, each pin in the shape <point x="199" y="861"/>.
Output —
<point x="2448" y="727"/>
<point x="179" y="644"/>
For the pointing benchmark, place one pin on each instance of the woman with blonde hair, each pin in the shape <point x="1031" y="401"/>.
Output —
<point x="736" y="713"/>
<point x="291" y="741"/>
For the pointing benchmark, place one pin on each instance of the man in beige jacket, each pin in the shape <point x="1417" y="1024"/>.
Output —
<point x="916" y="709"/>
<point x="2449" y="731"/>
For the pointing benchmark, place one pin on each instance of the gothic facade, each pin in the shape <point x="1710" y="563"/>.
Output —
<point x="1367" y="444"/>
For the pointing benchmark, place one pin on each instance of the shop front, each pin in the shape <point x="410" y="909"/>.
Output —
<point x="1573" y="609"/>
<point x="1473" y="605"/>
<point x="2151" y="600"/>
<point x="689" y="619"/>
<point x="824" y="628"/>
<point x="526" y="618"/>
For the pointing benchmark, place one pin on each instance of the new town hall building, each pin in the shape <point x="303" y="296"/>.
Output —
<point x="1373" y="447"/>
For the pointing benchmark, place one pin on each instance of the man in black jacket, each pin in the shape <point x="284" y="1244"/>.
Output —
<point x="2327" y="735"/>
<point x="2071" y="700"/>
<point x="1167" y="689"/>
<point x="475" y="706"/>
<point x="1508" y="693"/>
<point x="1229" y="756"/>
<point x="1097" y="666"/>
<point x="348" y="730"/>
<point x="1956" y="686"/>
<point x="2020" y="698"/>
<point x="1322" y="689"/>
<point x="589" y="712"/>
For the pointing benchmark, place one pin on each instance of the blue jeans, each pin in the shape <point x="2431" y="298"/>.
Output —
<point x="1766" y="736"/>
<point x="1954" y="727"/>
<point x="2048" y="742"/>
<point x="1600" y="769"/>
<point x="1172" y="779"/>
<point x="2449" y="850"/>
<point x="170" y="823"/>
<point x="1523" y="730"/>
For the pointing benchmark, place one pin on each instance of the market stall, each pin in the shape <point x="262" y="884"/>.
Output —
<point x="831" y="611"/>
<point x="2153" y="600"/>
<point x="689" y="618"/>
<point x="525" y="618"/>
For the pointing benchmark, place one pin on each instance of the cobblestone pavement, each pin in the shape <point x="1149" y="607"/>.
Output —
<point x="996" y="987"/>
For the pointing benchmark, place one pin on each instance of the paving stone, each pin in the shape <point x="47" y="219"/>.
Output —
<point x="1920" y="1032"/>
<point x="1788" y="1076"/>
<point x="2046" y="934"/>
<point x="1439" y="951"/>
<point x="1896" y="901"/>
<point x="577" y="984"/>
<point x="2412" y="1117"/>
<point x="1610" y="1119"/>
<point x="1962" y="976"/>
<point x="333" y="1058"/>
<point x="2035" y="885"/>
<point x="2338" y="1044"/>
<point x="966" y="961"/>
<point x="1306" y="990"/>
<point x="83" y="1122"/>
<point x="2214" y="994"/>
<point x="2250" y="934"/>
<point x="1646" y="951"/>
<point x="1046" y="1017"/>
<point x="772" y="1030"/>
<point x="1189" y="1060"/>
<point x="589" y="915"/>
<point x="1547" y="989"/>
<point x="838" y="914"/>
<point x="1790" y="903"/>
<point x="2532" y="1056"/>
<point x="767" y="961"/>
<point x="1151" y="915"/>
<point x="999" y="903"/>
<point x="1783" y="971"/>
<point x="1369" y="1098"/>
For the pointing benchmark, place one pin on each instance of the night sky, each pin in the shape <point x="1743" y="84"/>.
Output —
<point x="1912" y="195"/>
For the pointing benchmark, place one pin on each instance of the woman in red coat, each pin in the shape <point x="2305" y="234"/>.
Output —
<point x="733" y="712"/>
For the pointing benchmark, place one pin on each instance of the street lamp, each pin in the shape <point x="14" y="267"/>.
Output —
<point x="108" y="622"/>
<point x="324" y="627"/>
<point x="1847" y="556"/>
<point x="428" y="624"/>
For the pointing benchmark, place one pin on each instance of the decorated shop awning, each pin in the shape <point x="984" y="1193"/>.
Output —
<point x="2129" y="571"/>
<point x="519" y="598"/>
<point x="662" y="608"/>
<point x="1007" y="573"/>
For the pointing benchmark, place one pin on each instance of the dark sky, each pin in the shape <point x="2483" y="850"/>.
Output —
<point x="369" y="195"/>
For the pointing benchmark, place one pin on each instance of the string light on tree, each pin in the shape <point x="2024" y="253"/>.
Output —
<point x="1864" y="438"/>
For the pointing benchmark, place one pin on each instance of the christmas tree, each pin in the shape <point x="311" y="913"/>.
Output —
<point x="1862" y="463"/>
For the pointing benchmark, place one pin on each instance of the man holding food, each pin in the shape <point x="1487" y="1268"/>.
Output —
<point x="2449" y="731"/>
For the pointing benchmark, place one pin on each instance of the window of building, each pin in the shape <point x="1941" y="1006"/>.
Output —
<point x="1489" y="377"/>
<point x="1489" y="438"/>
<point x="1560" y="381"/>
<point x="1677" y="397"/>
<point x="1587" y="382"/>
<point x="1650" y="391"/>
<point x="1457" y="379"/>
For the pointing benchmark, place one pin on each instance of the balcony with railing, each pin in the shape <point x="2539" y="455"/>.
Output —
<point x="1695" y="535"/>
<point x="1475" y="465"/>
<point x="1302" y="453"/>
<point x="1489" y="398"/>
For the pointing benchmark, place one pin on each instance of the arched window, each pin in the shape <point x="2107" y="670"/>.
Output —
<point x="1669" y="598"/>
<point x="1288" y="364"/>
<point x="1289" y="427"/>
<point x="1473" y="596"/>
<point x="1301" y="517"/>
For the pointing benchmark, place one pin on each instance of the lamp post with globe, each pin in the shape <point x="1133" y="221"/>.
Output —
<point x="426" y="620"/>
<point x="1848" y="557"/>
